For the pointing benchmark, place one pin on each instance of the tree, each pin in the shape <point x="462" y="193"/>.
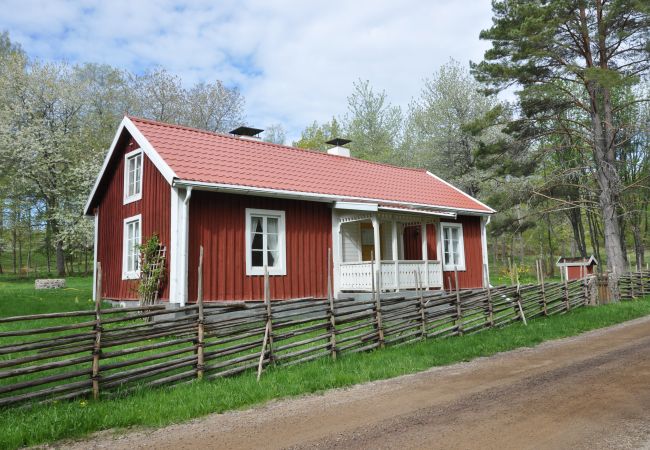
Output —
<point x="372" y="123"/>
<point x="159" y="96"/>
<point x="213" y="107"/>
<point x="439" y="133"/>
<point x="315" y="135"/>
<point x="595" y="46"/>
<point x="275" y="134"/>
<point x="39" y="141"/>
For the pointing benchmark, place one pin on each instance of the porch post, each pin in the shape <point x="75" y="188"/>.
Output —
<point x="425" y="253"/>
<point x="395" y="254"/>
<point x="375" y="229"/>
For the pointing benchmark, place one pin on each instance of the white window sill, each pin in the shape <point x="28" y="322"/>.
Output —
<point x="452" y="268"/>
<point x="131" y="275"/>
<point x="258" y="273"/>
<point x="133" y="198"/>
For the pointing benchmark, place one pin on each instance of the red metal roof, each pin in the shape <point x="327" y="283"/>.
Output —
<point x="205" y="157"/>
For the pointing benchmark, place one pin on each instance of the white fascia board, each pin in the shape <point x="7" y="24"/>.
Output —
<point x="356" y="206"/>
<point x="327" y="198"/>
<point x="591" y="259"/>
<point x="451" y="215"/>
<point x="146" y="147"/>
<point x="491" y="211"/>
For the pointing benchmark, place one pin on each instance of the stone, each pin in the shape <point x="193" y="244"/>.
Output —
<point x="49" y="283"/>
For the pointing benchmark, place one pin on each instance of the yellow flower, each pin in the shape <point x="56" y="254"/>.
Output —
<point x="83" y="403"/>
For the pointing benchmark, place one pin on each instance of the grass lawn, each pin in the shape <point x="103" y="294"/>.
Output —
<point x="159" y="407"/>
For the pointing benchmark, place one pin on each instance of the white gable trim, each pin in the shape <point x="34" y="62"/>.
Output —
<point x="462" y="192"/>
<point x="585" y="263"/>
<point x="146" y="147"/>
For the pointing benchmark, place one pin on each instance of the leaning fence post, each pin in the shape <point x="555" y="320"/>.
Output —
<point x="459" y="311"/>
<point x="200" y="326"/>
<point x="541" y="271"/>
<point x="522" y="316"/>
<point x="489" y="297"/>
<point x="423" y="314"/>
<point x="376" y="294"/>
<point x="97" y="347"/>
<point x="567" y="305"/>
<point x="269" y="315"/>
<point x="330" y="298"/>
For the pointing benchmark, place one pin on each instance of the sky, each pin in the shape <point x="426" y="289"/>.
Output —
<point x="294" y="61"/>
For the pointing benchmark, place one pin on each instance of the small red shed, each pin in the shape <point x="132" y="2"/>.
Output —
<point x="250" y="203"/>
<point x="576" y="268"/>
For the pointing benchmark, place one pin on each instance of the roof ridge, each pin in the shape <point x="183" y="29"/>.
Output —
<point x="271" y="144"/>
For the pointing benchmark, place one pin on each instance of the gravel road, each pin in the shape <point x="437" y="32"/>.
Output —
<point x="587" y="392"/>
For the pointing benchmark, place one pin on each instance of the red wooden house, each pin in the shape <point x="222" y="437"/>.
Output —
<point x="251" y="203"/>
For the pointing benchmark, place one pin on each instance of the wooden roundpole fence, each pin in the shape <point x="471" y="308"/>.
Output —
<point x="376" y="293"/>
<point x="330" y="298"/>
<point x="97" y="347"/>
<point x="544" y="303"/>
<point x="490" y="308"/>
<point x="269" y="311"/>
<point x="268" y="329"/>
<point x="423" y="314"/>
<point x="200" y="331"/>
<point x="459" y="310"/>
<point x="567" y="305"/>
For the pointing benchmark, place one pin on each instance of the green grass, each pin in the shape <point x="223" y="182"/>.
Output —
<point x="18" y="297"/>
<point x="159" y="407"/>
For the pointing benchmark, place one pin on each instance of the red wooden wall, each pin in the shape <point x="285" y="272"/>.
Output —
<point x="472" y="276"/>
<point x="576" y="272"/>
<point x="155" y="207"/>
<point x="217" y="221"/>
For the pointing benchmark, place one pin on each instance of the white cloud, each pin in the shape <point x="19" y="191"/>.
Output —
<point x="294" y="61"/>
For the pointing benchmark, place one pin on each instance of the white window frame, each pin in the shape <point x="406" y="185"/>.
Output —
<point x="127" y="157"/>
<point x="133" y="274"/>
<point x="281" y="268"/>
<point x="461" y="246"/>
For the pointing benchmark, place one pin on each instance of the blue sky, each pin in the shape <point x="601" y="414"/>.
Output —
<point x="294" y="61"/>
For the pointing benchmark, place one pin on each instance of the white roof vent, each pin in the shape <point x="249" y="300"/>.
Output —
<point x="338" y="148"/>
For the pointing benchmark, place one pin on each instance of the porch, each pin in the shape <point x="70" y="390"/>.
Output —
<point x="393" y="275"/>
<point x="386" y="250"/>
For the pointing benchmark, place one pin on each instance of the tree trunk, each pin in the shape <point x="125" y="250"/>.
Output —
<point x="60" y="258"/>
<point x="639" y="249"/>
<point x="578" y="228"/>
<point x="551" y="251"/>
<point x="14" y="239"/>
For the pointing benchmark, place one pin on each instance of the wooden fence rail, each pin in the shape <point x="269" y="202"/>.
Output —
<point x="106" y="352"/>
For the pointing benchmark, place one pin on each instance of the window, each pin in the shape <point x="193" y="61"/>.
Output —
<point x="453" y="251"/>
<point x="265" y="242"/>
<point x="131" y="248"/>
<point x="133" y="176"/>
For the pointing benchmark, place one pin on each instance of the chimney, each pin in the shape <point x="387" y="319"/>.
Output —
<point x="247" y="133"/>
<point x="338" y="148"/>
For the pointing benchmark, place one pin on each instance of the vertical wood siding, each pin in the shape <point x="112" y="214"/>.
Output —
<point x="576" y="272"/>
<point x="154" y="207"/>
<point x="217" y="221"/>
<point x="472" y="276"/>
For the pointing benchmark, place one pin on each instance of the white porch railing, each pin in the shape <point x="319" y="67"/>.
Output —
<point x="357" y="276"/>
